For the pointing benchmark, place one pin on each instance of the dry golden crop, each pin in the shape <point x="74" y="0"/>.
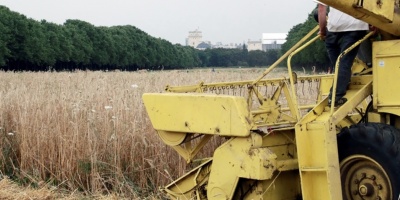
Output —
<point x="88" y="132"/>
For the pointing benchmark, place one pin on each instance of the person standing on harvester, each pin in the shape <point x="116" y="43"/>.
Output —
<point x="340" y="31"/>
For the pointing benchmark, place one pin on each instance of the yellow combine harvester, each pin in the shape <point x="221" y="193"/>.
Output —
<point x="283" y="141"/>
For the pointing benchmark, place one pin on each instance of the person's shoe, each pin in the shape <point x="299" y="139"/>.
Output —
<point x="338" y="102"/>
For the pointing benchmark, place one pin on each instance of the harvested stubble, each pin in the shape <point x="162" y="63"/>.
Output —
<point x="89" y="132"/>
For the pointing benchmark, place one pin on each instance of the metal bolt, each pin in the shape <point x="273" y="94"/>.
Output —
<point x="373" y="177"/>
<point x="356" y="181"/>
<point x="363" y="175"/>
<point x="378" y="198"/>
<point x="380" y="187"/>
<point x="379" y="3"/>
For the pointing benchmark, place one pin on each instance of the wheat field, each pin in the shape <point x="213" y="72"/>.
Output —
<point x="88" y="132"/>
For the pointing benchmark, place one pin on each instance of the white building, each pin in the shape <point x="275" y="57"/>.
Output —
<point x="254" y="45"/>
<point x="194" y="39"/>
<point x="227" y="46"/>
<point x="273" y="40"/>
<point x="269" y="41"/>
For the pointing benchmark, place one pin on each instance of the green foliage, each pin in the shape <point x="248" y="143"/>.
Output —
<point x="237" y="57"/>
<point x="4" y="51"/>
<point x="26" y="44"/>
<point x="261" y="58"/>
<point x="313" y="55"/>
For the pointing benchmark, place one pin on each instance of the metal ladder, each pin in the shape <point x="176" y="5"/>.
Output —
<point x="317" y="146"/>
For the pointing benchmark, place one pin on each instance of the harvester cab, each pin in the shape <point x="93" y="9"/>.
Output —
<point x="281" y="139"/>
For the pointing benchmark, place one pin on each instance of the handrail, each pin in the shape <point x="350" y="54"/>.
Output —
<point x="291" y="74"/>
<point x="270" y="68"/>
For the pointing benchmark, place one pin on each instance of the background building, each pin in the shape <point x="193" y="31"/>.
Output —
<point x="273" y="40"/>
<point x="269" y="41"/>
<point x="203" y="46"/>
<point x="254" y="45"/>
<point x="194" y="39"/>
<point x="227" y="46"/>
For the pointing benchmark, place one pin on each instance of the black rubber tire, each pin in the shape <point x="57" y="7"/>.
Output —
<point x="378" y="144"/>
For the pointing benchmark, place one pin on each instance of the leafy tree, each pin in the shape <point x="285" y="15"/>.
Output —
<point x="52" y="43"/>
<point x="271" y="56"/>
<point x="26" y="44"/>
<point x="4" y="38"/>
<point x="119" y="56"/>
<point x="102" y="46"/>
<point x="257" y="58"/>
<point x="18" y="31"/>
<point x="313" y="55"/>
<point x="36" y="46"/>
<point x="204" y="58"/>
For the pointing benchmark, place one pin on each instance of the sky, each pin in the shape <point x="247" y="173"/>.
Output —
<point x="234" y="21"/>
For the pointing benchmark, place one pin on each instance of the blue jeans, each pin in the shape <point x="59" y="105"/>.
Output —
<point x="336" y="43"/>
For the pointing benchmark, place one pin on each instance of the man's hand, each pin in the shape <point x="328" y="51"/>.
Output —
<point x="322" y="36"/>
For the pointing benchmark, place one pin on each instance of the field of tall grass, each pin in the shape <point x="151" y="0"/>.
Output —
<point x="88" y="132"/>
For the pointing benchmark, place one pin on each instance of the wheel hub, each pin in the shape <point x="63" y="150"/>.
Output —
<point x="363" y="178"/>
<point x="366" y="190"/>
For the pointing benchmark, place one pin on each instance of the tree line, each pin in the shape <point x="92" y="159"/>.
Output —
<point x="27" y="44"/>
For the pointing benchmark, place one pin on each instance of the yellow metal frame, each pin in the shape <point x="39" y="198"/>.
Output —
<point x="290" y="72"/>
<point x="386" y="70"/>
<point x="269" y="142"/>
<point x="375" y="13"/>
<point x="281" y="87"/>
<point x="214" y="114"/>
